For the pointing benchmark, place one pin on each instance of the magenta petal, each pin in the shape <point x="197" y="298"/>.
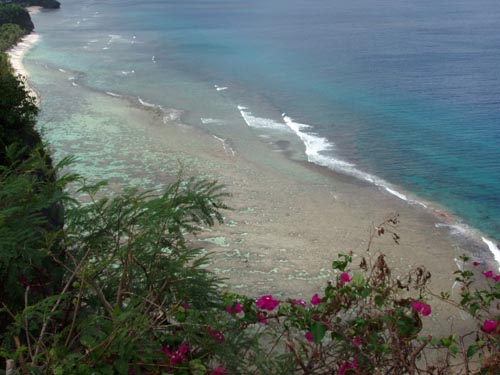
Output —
<point x="488" y="274"/>
<point x="315" y="300"/>
<point x="490" y="326"/>
<point x="309" y="337"/>
<point x="267" y="303"/>
<point x="426" y="310"/>
<point x="417" y="306"/>
<point x="345" y="278"/>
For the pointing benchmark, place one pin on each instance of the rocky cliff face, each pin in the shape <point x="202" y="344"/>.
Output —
<point x="48" y="4"/>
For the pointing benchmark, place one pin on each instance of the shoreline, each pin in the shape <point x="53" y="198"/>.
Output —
<point x="285" y="228"/>
<point x="16" y="56"/>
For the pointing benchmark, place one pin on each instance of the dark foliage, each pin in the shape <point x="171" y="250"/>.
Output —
<point x="16" y="14"/>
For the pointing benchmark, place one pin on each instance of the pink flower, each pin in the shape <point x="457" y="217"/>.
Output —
<point x="177" y="356"/>
<point x="309" y="336"/>
<point x="298" y="302"/>
<point x="186" y="306"/>
<point x="497" y="278"/>
<point x="315" y="300"/>
<point x="357" y="341"/>
<point x="218" y="336"/>
<point x="490" y="326"/>
<point x="488" y="274"/>
<point x="426" y="310"/>
<point x="165" y="350"/>
<point x="350" y="367"/>
<point x="219" y="371"/>
<point x="236" y="308"/>
<point x="421" y="307"/>
<point x="345" y="278"/>
<point x="417" y="305"/>
<point x="475" y="264"/>
<point x="267" y="303"/>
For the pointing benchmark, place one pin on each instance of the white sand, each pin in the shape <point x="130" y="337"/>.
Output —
<point x="16" y="55"/>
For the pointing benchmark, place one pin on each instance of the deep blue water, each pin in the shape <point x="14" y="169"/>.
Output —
<point x="405" y="90"/>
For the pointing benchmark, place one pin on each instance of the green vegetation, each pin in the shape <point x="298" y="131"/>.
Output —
<point x="18" y="113"/>
<point x="10" y="34"/>
<point x="16" y="14"/>
<point x="136" y="298"/>
<point x="30" y="193"/>
<point x="49" y="4"/>
<point x="120" y="289"/>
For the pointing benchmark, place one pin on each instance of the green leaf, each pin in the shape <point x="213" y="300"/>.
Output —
<point x="358" y="280"/>
<point x="472" y="350"/>
<point x="87" y="341"/>
<point x="473" y="309"/>
<point x="336" y="336"/>
<point x="379" y="300"/>
<point x="341" y="264"/>
<point x="197" y="367"/>
<point x="318" y="331"/>
<point x="121" y="366"/>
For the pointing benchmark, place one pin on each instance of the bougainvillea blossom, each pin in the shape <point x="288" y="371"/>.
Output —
<point x="315" y="300"/>
<point x="267" y="303"/>
<point x="345" y="278"/>
<point x="490" y="326"/>
<point x="421" y="307"/>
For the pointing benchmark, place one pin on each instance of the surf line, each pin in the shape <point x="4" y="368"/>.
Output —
<point x="223" y="141"/>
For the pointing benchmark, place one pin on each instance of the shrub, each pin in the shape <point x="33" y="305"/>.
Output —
<point x="138" y="300"/>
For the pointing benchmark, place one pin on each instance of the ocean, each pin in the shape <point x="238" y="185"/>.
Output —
<point x="401" y="94"/>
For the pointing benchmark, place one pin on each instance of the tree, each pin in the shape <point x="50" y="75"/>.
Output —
<point x="13" y="13"/>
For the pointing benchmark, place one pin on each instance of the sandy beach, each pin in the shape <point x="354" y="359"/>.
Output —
<point x="289" y="218"/>
<point x="16" y="55"/>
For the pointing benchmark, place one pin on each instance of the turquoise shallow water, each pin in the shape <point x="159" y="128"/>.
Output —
<point x="403" y="94"/>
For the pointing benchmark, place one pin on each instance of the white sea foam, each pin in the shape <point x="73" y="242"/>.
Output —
<point x="457" y="229"/>
<point x="397" y="193"/>
<point x="170" y="115"/>
<point x="209" y="120"/>
<point x="220" y="88"/>
<point x="74" y="84"/>
<point x="61" y="70"/>
<point x="113" y="94"/>
<point x="260" y="122"/>
<point x="112" y="39"/>
<point x="493" y="248"/>
<point x="315" y="148"/>
<point x="227" y="148"/>
<point x="146" y="104"/>
<point x="126" y="73"/>
<point x="464" y="230"/>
